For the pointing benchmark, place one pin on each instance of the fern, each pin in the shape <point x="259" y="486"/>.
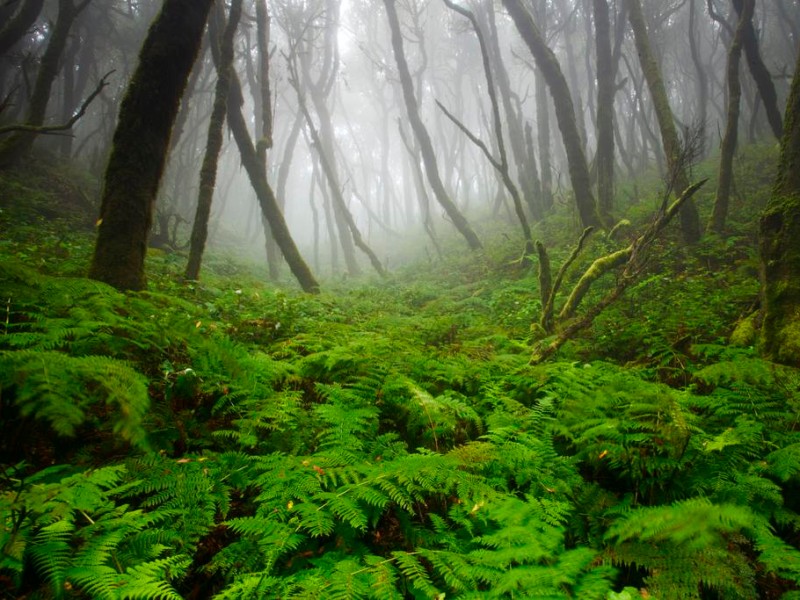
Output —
<point x="61" y="389"/>
<point x="686" y="546"/>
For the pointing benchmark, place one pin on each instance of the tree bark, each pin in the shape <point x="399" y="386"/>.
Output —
<point x="689" y="217"/>
<point x="208" y="171"/>
<point x="780" y="252"/>
<point x="421" y="133"/>
<point x="605" y="110"/>
<point x="719" y="213"/>
<point x="565" y="113"/>
<point x="141" y="140"/>
<point x="760" y="73"/>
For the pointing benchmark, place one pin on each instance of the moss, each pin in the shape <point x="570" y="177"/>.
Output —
<point x="746" y="332"/>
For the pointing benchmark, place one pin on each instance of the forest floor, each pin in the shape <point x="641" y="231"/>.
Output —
<point x="390" y="438"/>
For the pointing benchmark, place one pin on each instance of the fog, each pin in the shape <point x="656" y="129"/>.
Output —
<point x="337" y="55"/>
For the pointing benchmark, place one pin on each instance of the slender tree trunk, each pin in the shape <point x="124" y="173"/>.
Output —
<point x="17" y="145"/>
<point x="780" y="251"/>
<point x="19" y="24"/>
<point x="543" y="140"/>
<point x="502" y="164"/>
<point x="336" y="192"/>
<point x="208" y="171"/>
<point x="605" y="110"/>
<point x="702" y="78"/>
<point x="141" y="140"/>
<point x="760" y="73"/>
<point x="257" y="172"/>
<point x="689" y="217"/>
<point x="421" y="133"/>
<point x="524" y="162"/>
<point x="422" y="194"/>
<point x="720" y="211"/>
<point x="264" y="119"/>
<point x="565" y="113"/>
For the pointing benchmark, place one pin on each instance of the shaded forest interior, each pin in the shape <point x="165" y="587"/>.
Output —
<point x="410" y="299"/>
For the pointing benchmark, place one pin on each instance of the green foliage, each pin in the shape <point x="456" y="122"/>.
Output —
<point x="224" y="439"/>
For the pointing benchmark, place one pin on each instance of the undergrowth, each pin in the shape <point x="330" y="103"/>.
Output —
<point x="229" y="439"/>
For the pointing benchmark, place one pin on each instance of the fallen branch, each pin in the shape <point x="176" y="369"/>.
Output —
<point x="57" y="129"/>
<point x="632" y="258"/>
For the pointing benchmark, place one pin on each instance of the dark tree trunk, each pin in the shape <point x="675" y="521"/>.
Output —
<point x="690" y="219"/>
<point x="141" y="140"/>
<point x="720" y="211"/>
<point x="208" y="170"/>
<point x="257" y="172"/>
<point x="605" y="110"/>
<point x="780" y="252"/>
<point x="19" y="24"/>
<point x="565" y="113"/>
<point x="421" y="133"/>
<point x="19" y="144"/>
<point x="760" y="73"/>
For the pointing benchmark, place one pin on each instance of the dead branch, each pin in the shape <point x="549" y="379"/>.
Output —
<point x="632" y="259"/>
<point x="57" y="129"/>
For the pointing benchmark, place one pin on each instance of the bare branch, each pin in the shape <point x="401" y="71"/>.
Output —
<point x="632" y="260"/>
<point x="57" y="129"/>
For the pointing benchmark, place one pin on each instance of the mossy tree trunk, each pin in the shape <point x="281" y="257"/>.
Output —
<point x="141" y="140"/>
<point x="780" y="250"/>
<point x="208" y="170"/>
<point x="565" y="112"/>
<point x="689" y="217"/>
<point x="421" y="133"/>
<point x="760" y="73"/>
<point x="719" y="214"/>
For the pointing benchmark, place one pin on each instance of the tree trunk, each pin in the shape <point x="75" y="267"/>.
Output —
<point x="502" y="164"/>
<point x="780" y="252"/>
<point x="702" y="79"/>
<point x="421" y="133"/>
<point x="760" y="73"/>
<point x="336" y="192"/>
<point x="605" y="110"/>
<point x="565" y="113"/>
<point x="690" y="219"/>
<point x="543" y="141"/>
<point x="19" y="24"/>
<point x="208" y="171"/>
<point x="19" y="144"/>
<point x="257" y="172"/>
<point x="141" y="140"/>
<point x="523" y="161"/>
<point x="720" y="211"/>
